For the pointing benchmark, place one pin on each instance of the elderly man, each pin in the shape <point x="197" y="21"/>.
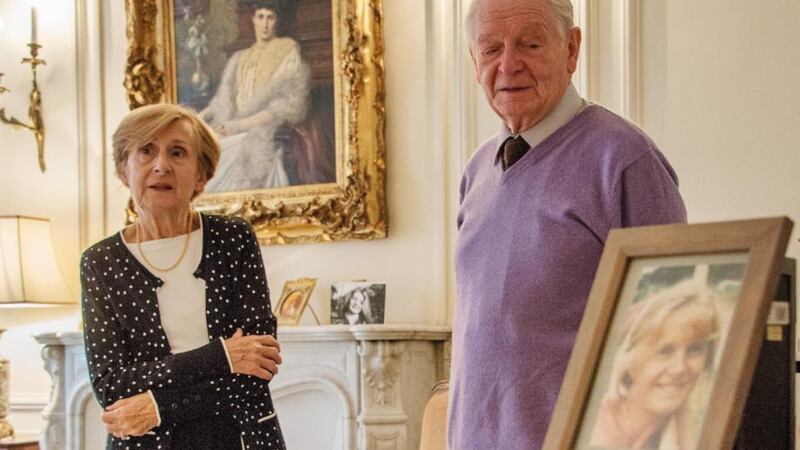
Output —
<point x="537" y="203"/>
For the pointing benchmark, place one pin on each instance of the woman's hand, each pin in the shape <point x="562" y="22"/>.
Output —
<point x="231" y="127"/>
<point x="222" y="130"/>
<point x="132" y="416"/>
<point x="244" y="124"/>
<point x="257" y="355"/>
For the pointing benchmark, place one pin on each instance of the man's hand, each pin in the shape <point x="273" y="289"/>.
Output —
<point x="256" y="355"/>
<point x="132" y="416"/>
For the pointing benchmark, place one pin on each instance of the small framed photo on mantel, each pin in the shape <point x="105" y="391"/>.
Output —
<point x="355" y="303"/>
<point x="670" y="337"/>
<point x="293" y="301"/>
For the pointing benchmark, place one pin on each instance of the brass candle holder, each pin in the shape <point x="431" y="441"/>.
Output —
<point x="35" y="122"/>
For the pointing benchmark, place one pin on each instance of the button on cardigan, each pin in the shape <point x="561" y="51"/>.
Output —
<point x="128" y="352"/>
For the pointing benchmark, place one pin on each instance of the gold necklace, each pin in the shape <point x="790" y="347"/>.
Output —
<point x="180" y="258"/>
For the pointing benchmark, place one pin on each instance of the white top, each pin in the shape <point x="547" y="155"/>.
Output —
<point x="182" y="298"/>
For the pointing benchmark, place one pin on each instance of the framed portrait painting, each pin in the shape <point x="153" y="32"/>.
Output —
<point x="670" y="337"/>
<point x="293" y="90"/>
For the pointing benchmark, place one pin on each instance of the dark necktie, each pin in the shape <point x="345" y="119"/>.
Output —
<point x="513" y="149"/>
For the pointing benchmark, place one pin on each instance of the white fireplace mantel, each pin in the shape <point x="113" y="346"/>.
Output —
<point x="339" y="387"/>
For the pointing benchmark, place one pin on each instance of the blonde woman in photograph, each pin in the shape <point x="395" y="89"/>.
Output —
<point x="669" y="343"/>
<point x="180" y="341"/>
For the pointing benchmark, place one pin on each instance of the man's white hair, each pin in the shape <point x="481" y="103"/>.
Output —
<point x="561" y="8"/>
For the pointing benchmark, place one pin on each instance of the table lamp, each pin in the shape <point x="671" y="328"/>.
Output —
<point x="29" y="276"/>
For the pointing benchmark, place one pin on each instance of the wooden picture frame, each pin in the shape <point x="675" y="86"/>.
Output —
<point x="341" y="43"/>
<point x="644" y="308"/>
<point x="293" y="301"/>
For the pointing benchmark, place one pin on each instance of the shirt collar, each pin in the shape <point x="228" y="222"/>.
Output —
<point x="568" y="107"/>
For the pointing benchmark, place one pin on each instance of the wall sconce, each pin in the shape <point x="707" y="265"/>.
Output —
<point x="35" y="122"/>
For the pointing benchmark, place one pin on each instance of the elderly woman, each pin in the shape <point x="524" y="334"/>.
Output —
<point x="263" y="87"/>
<point x="669" y="342"/>
<point x="180" y="340"/>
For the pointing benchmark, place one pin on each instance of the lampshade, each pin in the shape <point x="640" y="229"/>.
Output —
<point x="28" y="270"/>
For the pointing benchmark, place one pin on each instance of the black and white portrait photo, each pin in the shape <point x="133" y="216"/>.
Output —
<point x="357" y="303"/>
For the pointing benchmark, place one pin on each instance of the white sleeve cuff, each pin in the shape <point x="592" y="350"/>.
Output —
<point x="155" y="403"/>
<point x="227" y="356"/>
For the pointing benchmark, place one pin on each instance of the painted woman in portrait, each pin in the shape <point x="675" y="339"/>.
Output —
<point x="263" y="88"/>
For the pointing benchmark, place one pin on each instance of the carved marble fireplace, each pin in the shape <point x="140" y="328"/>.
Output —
<point x="340" y="387"/>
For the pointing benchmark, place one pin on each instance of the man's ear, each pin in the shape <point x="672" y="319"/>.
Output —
<point x="475" y="65"/>
<point x="573" y="48"/>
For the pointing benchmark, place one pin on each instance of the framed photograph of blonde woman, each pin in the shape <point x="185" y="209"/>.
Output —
<point x="268" y="76"/>
<point x="293" y="301"/>
<point x="646" y="370"/>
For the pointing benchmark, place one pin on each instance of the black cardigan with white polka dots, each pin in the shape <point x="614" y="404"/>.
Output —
<point x="128" y="353"/>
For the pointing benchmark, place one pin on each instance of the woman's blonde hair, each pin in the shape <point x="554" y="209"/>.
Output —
<point x="692" y="301"/>
<point x="141" y="125"/>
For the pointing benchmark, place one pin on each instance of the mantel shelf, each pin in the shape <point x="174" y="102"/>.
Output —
<point x="316" y="333"/>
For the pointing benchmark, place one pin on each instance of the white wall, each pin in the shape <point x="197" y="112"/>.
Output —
<point x="717" y="89"/>
<point x="720" y="96"/>
<point x="25" y="189"/>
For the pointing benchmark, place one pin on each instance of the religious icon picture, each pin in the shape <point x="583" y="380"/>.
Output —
<point x="293" y="301"/>
<point x="357" y="303"/>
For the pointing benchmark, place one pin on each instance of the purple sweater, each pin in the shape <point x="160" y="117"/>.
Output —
<point x="529" y="242"/>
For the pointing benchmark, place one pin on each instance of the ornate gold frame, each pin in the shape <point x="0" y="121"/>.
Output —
<point x="352" y="208"/>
